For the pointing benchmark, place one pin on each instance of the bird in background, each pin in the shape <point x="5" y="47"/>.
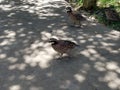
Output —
<point x="63" y="46"/>
<point x="111" y="15"/>
<point x="75" y="17"/>
<point x="67" y="1"/>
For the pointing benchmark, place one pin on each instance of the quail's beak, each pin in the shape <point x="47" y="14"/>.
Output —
<point x="49" y="41"/>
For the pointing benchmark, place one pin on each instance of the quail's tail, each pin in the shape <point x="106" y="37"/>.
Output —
<point x="83" y="18"/>
<point x="78" y="47"/>
<point x="76" y="51"/>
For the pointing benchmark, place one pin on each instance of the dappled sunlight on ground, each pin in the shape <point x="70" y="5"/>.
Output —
<point x="28" y="62"/>
<point x="42" y="57"/>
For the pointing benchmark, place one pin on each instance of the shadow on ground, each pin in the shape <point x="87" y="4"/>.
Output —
<point x="27" y="62"/>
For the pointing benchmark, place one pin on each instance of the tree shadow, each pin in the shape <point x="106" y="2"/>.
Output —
<point x="27" y="61"/>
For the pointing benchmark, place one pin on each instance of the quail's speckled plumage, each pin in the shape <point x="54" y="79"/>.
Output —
<point x="75" y="17"/>
<point x="111" y="15"/>
<point x="62" y="46"/>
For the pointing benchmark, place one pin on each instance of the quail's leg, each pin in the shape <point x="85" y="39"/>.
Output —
<point x="72" y="24"/>
<point x="79" y="23"/>
<point x="109" y="22"/>
<point x="61" y="54"/>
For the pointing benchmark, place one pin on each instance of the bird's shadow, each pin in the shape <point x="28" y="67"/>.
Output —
<point x="66" y="58"/>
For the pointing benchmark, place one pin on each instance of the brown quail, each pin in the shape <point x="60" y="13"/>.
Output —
<point x="62" y="46"/>
<point x="67" y="1"/>
<point x="75" y="17"/>
<point x="111" y="15"/>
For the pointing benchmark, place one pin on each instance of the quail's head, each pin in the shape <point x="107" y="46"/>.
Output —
<point x="109" y="11"/>
<point x="52" y="40"/>
<point x="68" y="9"/>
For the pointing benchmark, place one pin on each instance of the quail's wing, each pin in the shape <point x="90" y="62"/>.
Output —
<point x="68" y="44"/>
<point x="79" y="16"/>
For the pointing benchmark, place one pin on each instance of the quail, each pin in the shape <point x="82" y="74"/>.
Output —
<point x="75" y="17"/>
<point x="62" y="46"/>
<point x="67" y="1"/>
<point x="111" y="15"/>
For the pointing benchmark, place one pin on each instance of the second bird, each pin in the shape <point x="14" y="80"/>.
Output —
<point x="76" y="18"/>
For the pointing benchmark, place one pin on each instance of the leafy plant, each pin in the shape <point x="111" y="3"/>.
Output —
<point x="100" y="16"/>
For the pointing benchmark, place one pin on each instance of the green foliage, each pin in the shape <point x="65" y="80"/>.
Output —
<point x="100" y="15"/>
<point x="80" y="2"/>
<point x="115" y="4"/>
<point x="106" y="3"/>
